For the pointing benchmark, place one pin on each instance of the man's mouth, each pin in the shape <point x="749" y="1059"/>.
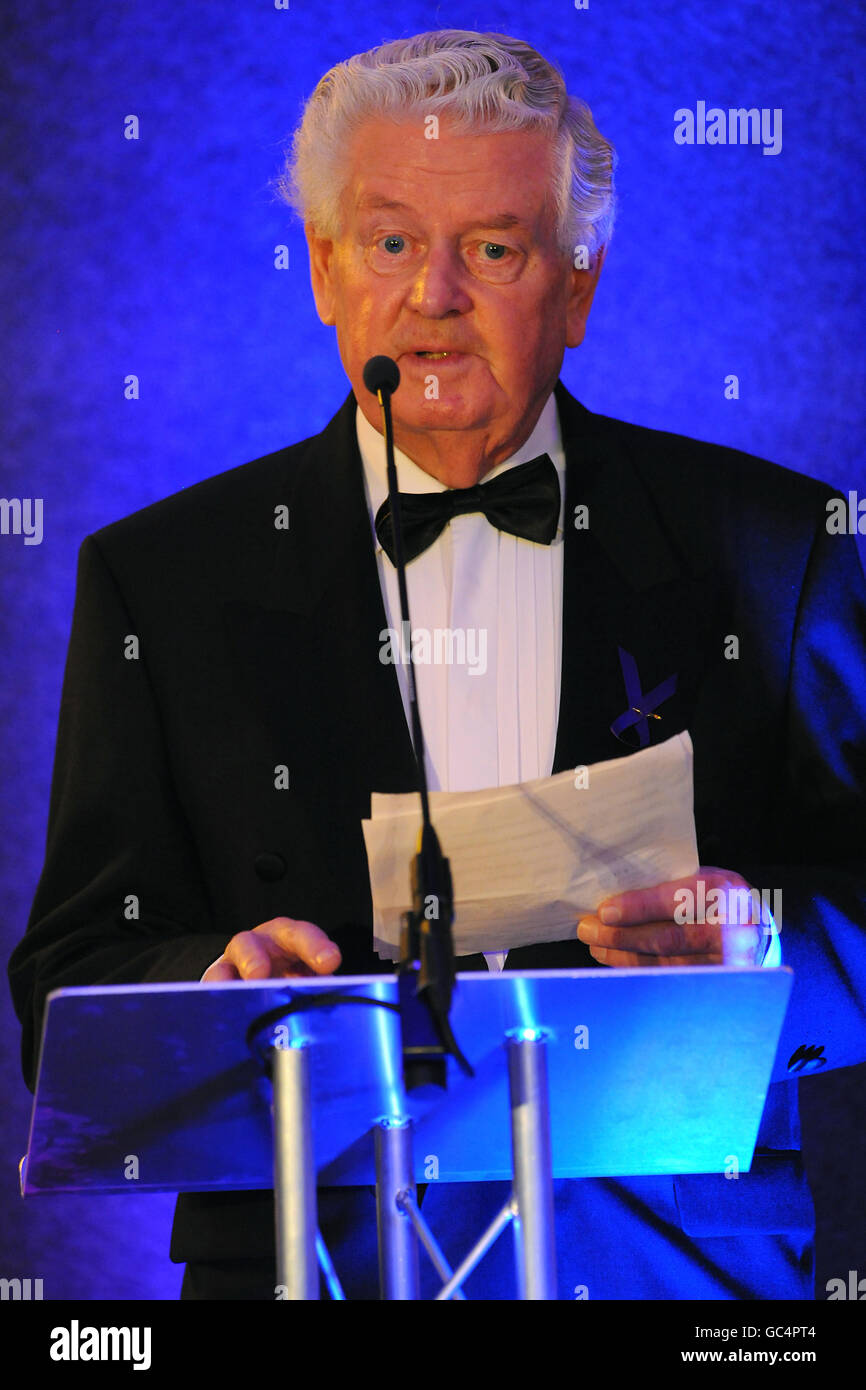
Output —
<point x="435" y="355"/>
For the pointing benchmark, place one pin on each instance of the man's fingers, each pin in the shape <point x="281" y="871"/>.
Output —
<point x="631" y="960"/>
<point x="221" y="970"/>
<point x="660" y="938"/>
<point x="249" y="955"/>
<point x="660" y="902"/>
<point x="282" y="947"/>
<point x="668" y="943"/>
<point x="306" y="942"/>
<point x="743" y="946"/>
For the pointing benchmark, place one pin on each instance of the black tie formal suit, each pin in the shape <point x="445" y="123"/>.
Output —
<point x="258" y="649"/>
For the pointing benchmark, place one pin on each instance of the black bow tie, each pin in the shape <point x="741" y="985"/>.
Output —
<point x="524" y="501"/>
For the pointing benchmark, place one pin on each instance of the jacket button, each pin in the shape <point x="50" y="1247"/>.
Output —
<point x="270" y="867"/>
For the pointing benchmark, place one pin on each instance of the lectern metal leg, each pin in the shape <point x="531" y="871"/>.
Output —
<point x="534" y="1236"/>
<point x="399" y="1277"/>
<point x="294" y="1173"/>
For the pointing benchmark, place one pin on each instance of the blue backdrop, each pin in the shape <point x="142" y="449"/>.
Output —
<point x="155" y="257"/>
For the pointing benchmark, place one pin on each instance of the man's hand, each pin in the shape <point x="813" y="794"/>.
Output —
<point x="639" y="928"/>
<point x="281" y="948"/>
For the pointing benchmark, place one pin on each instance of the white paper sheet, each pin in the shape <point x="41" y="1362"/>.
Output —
<point x="528" y="860"/>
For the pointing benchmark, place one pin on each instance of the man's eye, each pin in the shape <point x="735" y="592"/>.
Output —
<point x="496" y="250"/>
<point x="393" y="244"/>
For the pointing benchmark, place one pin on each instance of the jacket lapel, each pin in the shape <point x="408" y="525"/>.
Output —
<point x="627" y="587"/>
<point x="321" y="608"/>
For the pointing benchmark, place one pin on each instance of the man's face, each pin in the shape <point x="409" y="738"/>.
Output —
<point x="449" y="245"/>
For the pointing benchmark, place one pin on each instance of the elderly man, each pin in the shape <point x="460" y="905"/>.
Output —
<point x="458" y="205"/>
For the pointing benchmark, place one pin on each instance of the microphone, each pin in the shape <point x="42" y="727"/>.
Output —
<point x="381" y="374"/>
<point x="426" y="969"/>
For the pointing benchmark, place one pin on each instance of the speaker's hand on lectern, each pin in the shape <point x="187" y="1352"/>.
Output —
<point x="278" y="949"/>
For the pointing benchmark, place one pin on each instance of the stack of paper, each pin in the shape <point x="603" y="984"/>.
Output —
<point x="528" y="860"/>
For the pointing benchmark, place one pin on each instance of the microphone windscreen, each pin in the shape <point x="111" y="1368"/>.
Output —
<point x="381" y="374"/>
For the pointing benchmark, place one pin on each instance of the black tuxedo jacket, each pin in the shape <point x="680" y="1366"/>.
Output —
<point x="212" y="646"/>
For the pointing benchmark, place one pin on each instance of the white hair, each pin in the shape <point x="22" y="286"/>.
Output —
<point x="486" y="82"/>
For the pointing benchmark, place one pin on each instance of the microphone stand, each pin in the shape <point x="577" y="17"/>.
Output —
<point x="426" y="969"/>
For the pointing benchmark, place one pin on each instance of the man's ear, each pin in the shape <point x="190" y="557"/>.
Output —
<point x="321" y="274"/>
<point x="582" y="289"/>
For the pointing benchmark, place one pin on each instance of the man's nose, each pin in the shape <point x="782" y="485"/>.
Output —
<point x="440" y="284"/>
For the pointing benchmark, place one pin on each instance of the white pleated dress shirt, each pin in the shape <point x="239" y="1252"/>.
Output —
<point x="490" y="719"/>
